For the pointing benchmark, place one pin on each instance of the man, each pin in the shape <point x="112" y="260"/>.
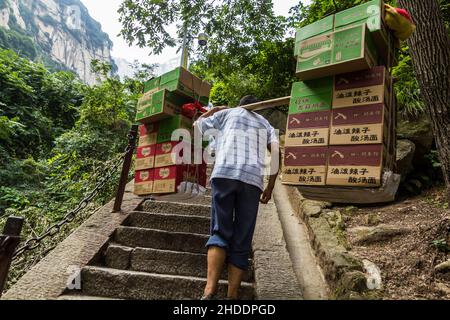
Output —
<point x="237" y="183"/>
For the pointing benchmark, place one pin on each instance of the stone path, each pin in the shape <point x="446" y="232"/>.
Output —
<point x="155" y="251"/>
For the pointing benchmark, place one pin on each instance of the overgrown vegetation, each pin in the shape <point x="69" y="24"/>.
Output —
<point x="58" y="137"/>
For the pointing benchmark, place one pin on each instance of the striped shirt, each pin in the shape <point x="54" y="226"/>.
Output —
<point x="242" y="138"/>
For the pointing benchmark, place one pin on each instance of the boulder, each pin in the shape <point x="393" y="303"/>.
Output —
<point x="443" y="267"/>
<point x="421" y="134"/>
<point x="405" y="156"/>
<point x="353" y="281"/>
<point x="313" y="208"/>
<point x="374" y="281"/>
<point x="369" y="235"/>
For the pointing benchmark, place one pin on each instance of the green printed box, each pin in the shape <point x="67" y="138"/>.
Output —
<point x="159" y="106"/>
<point x="169" y="125"/>
<point x="314" y="29"/>
<point x="311" y="96"/>
<point x="346" y="50"/>
<point x="359" y="13"/>
<point x="152" y="85"/>
<point x="185" y="83"/>
<point x="372" y="14"/>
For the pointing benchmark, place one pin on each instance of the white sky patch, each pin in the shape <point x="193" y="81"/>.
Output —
<point x="105" y="12"/>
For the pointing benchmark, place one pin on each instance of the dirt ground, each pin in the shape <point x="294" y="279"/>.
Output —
<point x="407" y="262"/>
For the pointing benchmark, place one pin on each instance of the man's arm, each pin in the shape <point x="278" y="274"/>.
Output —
<point x="275" y="164"/>
<point x="210" y="113"/>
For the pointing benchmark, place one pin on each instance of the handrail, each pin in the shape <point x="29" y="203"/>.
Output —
<point x="9" y="241"/>
<point x="132" y="137"/>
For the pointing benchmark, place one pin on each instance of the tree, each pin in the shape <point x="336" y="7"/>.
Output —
<point x="233" y="26"/>
<point x="430" y="52"/>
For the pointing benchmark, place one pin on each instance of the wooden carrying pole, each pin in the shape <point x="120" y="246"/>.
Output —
<point x="269" y="104"/>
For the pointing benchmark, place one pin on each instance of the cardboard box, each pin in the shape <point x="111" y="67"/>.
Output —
<point x="311" y="96"/>
<point x="308" y="129"/>
<point x="365" y="87"/>
<point x="359" y="125"/>
<point x="171" y="124"/>
<point x="322" y="26"/>
<point x="346" y="50"/>
<point x="143" y="182"/>
<point x="371" y="13"/>
<point x="305" y="166"/>
<point x="145" y="157"/>
<point x="152" y="85"/>
<point x="161" y="105"/>
<point x="185" y="83"/>
<point x="148" y="134"/>
<point x="166" y="153"/>
<point x="168" y="179"/>
<point x="357" y="166"/>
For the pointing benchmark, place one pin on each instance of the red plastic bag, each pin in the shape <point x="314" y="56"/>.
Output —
<point x="191" y="109"/>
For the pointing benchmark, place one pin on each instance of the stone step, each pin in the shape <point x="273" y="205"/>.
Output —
<point x="163" y="240"/>
<point x="80" y="297"/>
<point x="181" y="208"/>
<point x="134" y="285"/>
<point x="169" y="222"/>
<point x="161" y="262"/>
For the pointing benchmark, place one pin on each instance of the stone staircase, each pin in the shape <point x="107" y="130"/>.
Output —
<point x="158" y="253"/>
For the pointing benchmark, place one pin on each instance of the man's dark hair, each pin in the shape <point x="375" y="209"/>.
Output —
<point x="248" y="100"/>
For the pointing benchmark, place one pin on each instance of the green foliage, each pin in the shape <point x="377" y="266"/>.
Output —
<point x="11" y="39"/>
<point x="441" y="245"/>
<point x="58" y="140"/>
<point x="410" y="104"/>
<point x="234" y="27"/>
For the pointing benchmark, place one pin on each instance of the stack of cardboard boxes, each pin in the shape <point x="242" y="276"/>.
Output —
<point x="159" y="161"/>
<point x="341" y="114"/>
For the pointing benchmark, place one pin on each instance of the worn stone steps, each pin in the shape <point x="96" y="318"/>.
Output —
<point x="169" y="222"/>
<point x="80" y="297"/>
<point x="158" y="239"/>
<point x="134" y="285"/>
<point x="186" y="209"/>
<point x="160" y="262"/>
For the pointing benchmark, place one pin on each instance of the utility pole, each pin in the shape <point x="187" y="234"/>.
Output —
<point x="184" y="50"/>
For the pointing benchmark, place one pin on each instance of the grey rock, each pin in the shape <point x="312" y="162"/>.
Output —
<point x="312" y="208"/>
<point x="353" y="281"/>
<point x="443" y="267"/>
<point x="374" y="280"/>
<point x="369" y="235"/>
<point x="405" y="155"/>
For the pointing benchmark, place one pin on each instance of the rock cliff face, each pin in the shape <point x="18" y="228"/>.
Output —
<point x="63" y="33"/>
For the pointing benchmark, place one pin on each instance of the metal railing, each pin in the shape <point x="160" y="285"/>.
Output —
<point x="10" y="238"/>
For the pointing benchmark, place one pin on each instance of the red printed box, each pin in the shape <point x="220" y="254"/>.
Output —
<point x="170" y="153"/>
<point x="359" y="166"/>
<point x="145" y="157"/>
<point x="366" y="87"/>
<point x="305" y="166"/>
<point x="143" y="182"/>
<point x="308" y="129"/>
<point x="359" y="125"/>
<point x="148" y="134"/>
